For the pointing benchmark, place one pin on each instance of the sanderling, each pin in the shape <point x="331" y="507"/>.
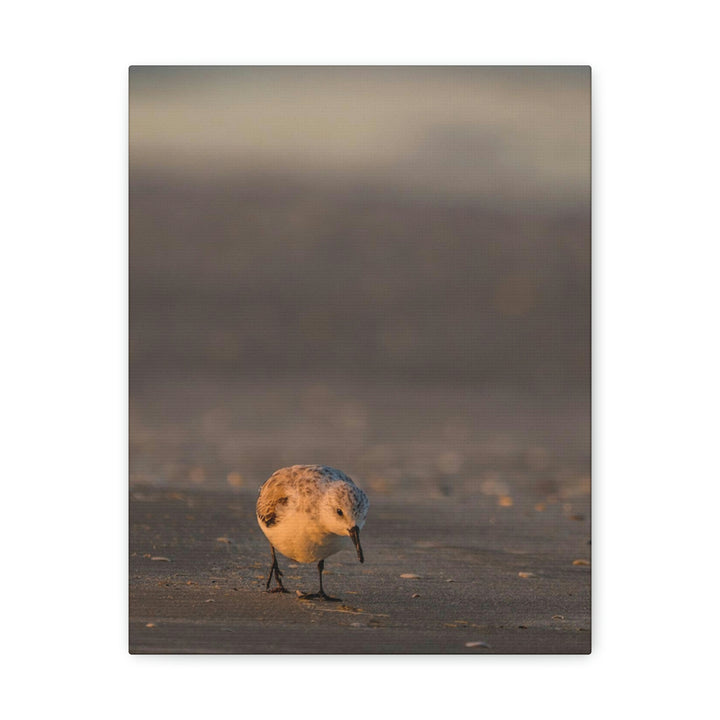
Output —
<point x="307" y="512"/>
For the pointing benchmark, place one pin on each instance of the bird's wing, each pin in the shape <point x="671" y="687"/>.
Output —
<point x="273" y="498"/>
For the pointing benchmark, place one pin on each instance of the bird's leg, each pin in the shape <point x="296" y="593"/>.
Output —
<point x="274" y="568"/>
<point x="319" y="595"/>
<point x="321" y="567"/>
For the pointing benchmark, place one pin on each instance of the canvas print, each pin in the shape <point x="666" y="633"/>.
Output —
<point x="359" y="360"/>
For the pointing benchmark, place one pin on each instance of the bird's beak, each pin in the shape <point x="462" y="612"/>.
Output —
<point x="355" y="535"/>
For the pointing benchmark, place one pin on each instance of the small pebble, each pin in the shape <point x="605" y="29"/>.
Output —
<point x="558" y="617"/>
<point x="160" y="558"/>
<point x="581" y="562"/>
<point x="477" y="643"/>
<point x="526" y="574"/>
<point x="150" y="625"/>
<point x="415" y="595"/>
<point x="410" y="576"/>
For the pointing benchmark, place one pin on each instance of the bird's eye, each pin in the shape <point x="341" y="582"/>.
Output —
<point x="339" y="512"/>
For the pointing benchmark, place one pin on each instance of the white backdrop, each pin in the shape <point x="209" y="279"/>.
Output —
<point x="64" y="300"/>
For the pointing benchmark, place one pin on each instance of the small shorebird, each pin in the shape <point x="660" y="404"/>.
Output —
<point x="307" y="512"/>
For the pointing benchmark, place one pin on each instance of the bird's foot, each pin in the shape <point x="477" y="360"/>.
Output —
<point x="317" y="596"/>
<point x="278" y="575"/>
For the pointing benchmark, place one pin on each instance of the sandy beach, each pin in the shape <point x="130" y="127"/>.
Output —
<point x="440" y="576"/>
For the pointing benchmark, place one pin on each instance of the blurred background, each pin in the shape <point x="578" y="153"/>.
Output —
<point x="383" y="269"/>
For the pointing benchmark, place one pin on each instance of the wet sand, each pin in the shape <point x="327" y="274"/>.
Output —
<point x="513" y="579"/>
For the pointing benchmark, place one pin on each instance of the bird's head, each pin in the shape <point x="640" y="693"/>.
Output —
<point x="344" y="512"/>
